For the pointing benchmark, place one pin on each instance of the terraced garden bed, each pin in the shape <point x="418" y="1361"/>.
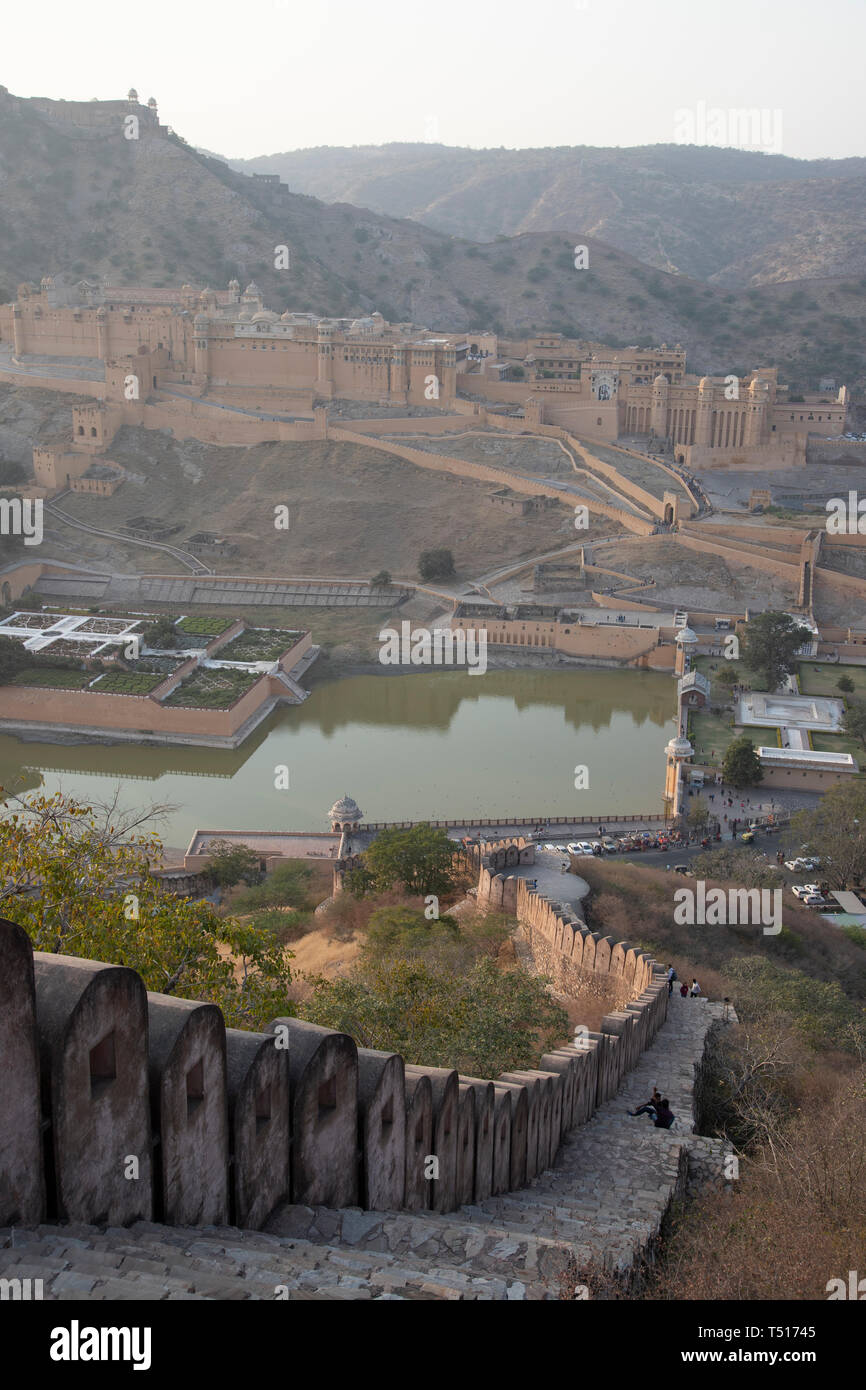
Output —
<point x="212" y="689"/>
<point x="204" y="626"/>
<point x="56" y="677"/>
<point x="127" y="683"/>
<point x="258" y="644"/>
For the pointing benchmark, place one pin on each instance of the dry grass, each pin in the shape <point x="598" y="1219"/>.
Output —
<point x="635" y="904"/>
<point x="796" y="1217"/>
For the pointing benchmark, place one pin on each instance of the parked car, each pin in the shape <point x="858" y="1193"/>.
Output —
<point x="583" y="847"/>
<point x="609" y="845"/>
<point x="747" y="837"/>
<point x="800" y="890"/>
<point x="813" y="900"/>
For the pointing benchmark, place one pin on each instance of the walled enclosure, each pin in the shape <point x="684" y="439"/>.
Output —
<point x="241" y="1122"/>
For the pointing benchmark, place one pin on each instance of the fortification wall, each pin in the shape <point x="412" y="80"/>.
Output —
<point x="580" y="963"/>
<point x="131" y="1105"/>
<point x="835" y="451"/>
<point x="740" y="553"/>
<point x="72" y="385"/>
<point x="444" y="463"/>
<point x="420" y="424"/>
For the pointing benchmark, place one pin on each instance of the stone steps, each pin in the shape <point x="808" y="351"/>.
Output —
<point x="150" y="1262"/>
<point x="603" y="1201"/>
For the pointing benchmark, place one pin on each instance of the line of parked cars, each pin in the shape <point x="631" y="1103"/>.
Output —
<point x="619" y="844"/>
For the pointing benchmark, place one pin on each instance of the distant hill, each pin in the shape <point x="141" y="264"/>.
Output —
<point x="76" y="196"/>
<point x="727" y="216"/>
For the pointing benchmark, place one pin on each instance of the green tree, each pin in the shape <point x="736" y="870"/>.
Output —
<point x="380" y="580"/>
<point x="845" y="684"/>
<point x="699" y="813"/>
<point x="161" y="633"/>
<point x="818" y="1010"/>
<point x="770" y="642"/>
<point x="728" y="674"/>
<point x="228" y="864"/>
<point x="836" y="831"/>
<point x="13" y="657"/>
<point x="285" y="886"/>
<point x="80" y="882"/>
<point x="405" y="930"/>
<point x="482" y="1020"/>
<point x="436" y="564"/>
<point x="854" y="722"/>
<point x="741" y="766"/>
<point x="420" y="859"/>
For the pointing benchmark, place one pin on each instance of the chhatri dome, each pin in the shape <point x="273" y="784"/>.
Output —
<point x="685" y="637"/>
<point x="679" y="748"/>
<point x="345" y="814"/>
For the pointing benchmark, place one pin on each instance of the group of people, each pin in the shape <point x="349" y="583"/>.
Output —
<point x="685" y="991"/>
<point x="658" y="1108"/>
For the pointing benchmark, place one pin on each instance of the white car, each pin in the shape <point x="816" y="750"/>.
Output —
<point x="813" y="900"/>
<point x="582" y="847"/>
<point x="800" y="890"/>
<point x="796" y="865"/>
<point x="551" y="848"/>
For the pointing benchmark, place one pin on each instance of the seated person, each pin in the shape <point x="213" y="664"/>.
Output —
<point x="651" y="1106"/>
<point x="664" y="1115"/>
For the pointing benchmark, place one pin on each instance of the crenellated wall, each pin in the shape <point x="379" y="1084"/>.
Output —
<point x="580" y="963"/>
<point x="129" y="1105"/>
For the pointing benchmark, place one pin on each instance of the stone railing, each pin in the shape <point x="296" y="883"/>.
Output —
<point x="119" y="1104"/>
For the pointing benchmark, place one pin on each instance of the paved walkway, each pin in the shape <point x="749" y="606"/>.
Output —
<point x="603" y="1200"/>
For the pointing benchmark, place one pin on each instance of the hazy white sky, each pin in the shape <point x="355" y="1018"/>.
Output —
<point x="269" y="75"/>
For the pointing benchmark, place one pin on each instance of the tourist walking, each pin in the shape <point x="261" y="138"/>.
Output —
<point x="695" y="989"/>
<point x="672" y="975"/>
<point x="684" y="990"/>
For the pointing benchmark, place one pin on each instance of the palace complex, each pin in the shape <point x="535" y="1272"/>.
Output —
<point x="131" y="346"/>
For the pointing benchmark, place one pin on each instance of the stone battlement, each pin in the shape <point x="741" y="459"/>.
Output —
<point x="135" y="1106"/>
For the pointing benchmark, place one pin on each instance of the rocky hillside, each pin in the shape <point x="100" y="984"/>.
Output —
<point x="76" y="196"/>
<point x="728" y="216"/>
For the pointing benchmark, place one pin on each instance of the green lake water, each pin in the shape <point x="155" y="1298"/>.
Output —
<point x="440" y="745"/>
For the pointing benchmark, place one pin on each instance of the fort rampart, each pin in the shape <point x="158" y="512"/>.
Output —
<point x="131" y="1105"/>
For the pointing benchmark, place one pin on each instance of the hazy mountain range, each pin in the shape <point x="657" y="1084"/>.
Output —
<point x="156" y="211"/>
<point x="727" y="216"/>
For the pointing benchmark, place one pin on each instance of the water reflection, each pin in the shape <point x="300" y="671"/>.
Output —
<point x="442" y="745"/>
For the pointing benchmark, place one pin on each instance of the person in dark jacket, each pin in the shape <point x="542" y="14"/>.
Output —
<point x="651" y="1106"/>
<point x="664" y="1115"/>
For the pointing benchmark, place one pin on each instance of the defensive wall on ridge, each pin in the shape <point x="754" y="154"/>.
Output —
<point x="465" y="468"/>
<point x="131" y="1105"/>
<point x="579" y="962"/>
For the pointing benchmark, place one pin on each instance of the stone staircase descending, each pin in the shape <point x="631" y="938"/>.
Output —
<point x="603" y="1200"/>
